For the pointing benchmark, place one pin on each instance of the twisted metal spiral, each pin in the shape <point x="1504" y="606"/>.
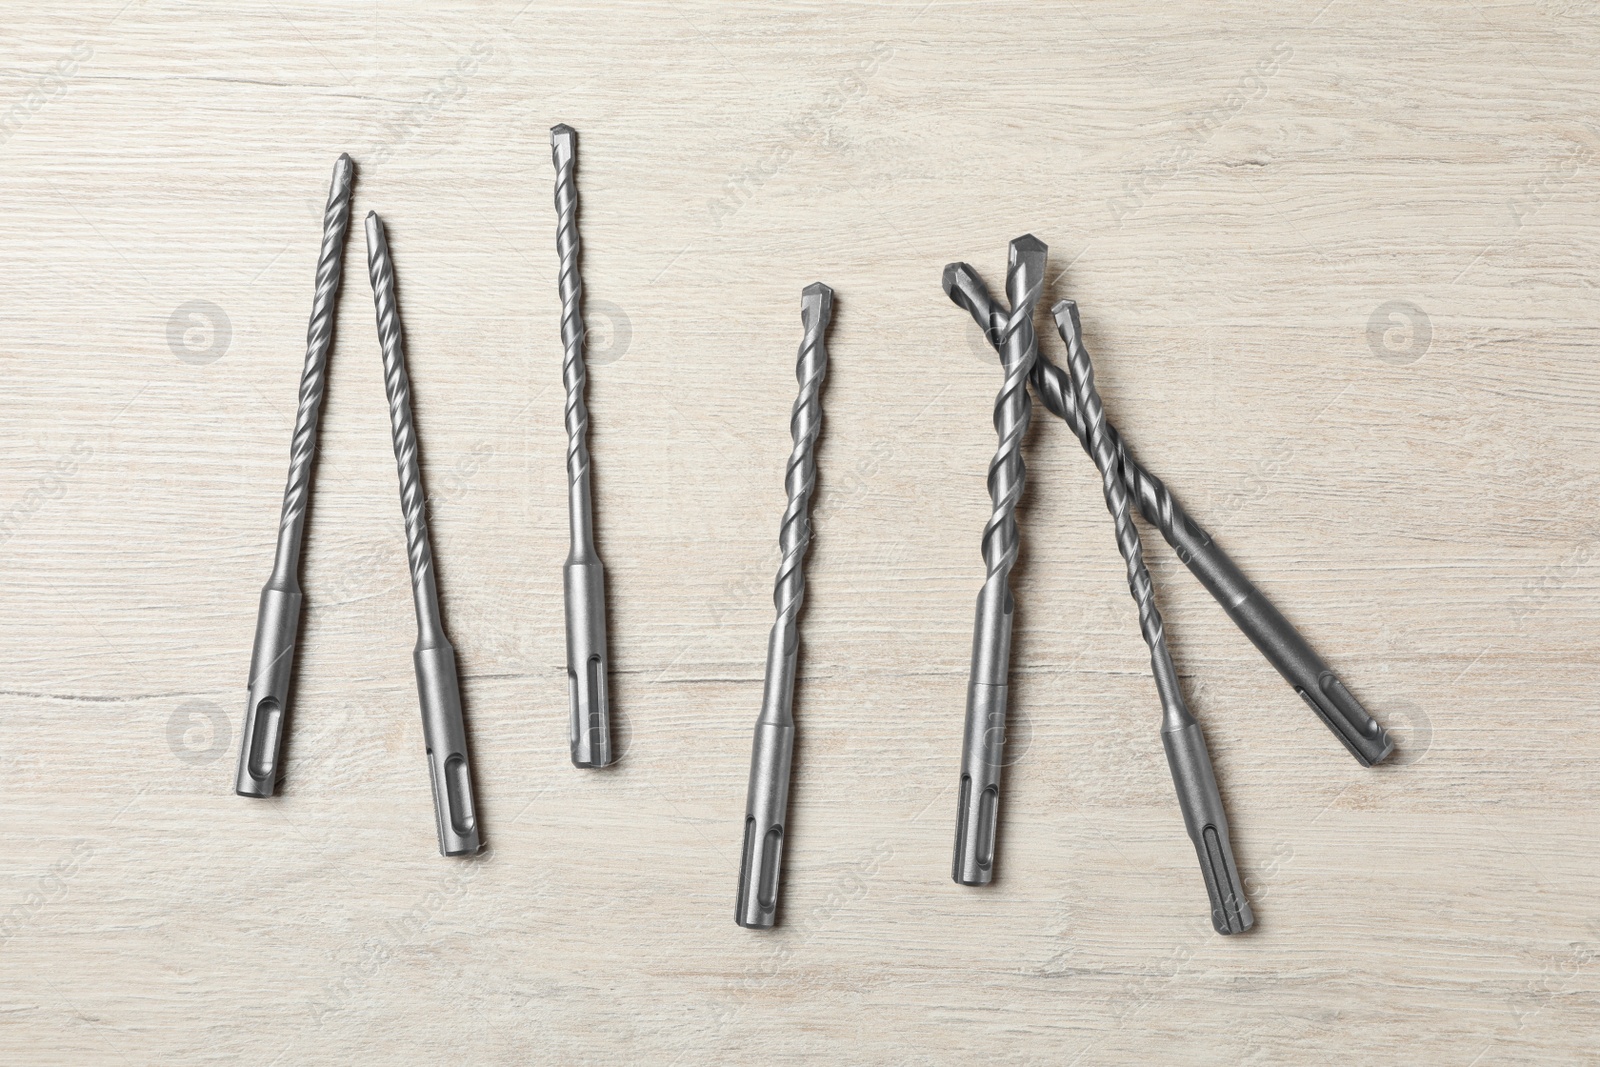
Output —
<point x="1106" y="449"/>
<point x="313" y="380"/>
<point x="574" y="372"/>
<point x="1013" y="410"/>
<point x="800" y="477"/>
<point x="1110" y="456"/>
<point x="413" y="505"/>
<point x="1155" y="500"/>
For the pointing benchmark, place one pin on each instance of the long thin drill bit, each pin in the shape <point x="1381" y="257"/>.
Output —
<point x="1190" y="763"/>
<point x="438" y="688"/>
<point x="767" y="799"/>
<point x="983" y="746"/>
<point x="278" y="617"/>
<point x="584" y="576"/>
<point x="1249" y="608"/>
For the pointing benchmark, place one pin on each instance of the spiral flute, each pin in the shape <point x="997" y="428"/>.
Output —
<point x="1260" y="620"/>
<point x="438" y="688"/>
<point x="983" y="746"/>
<point x="1187" y="757"/>
<point x="584" y="576"/>
<point x="767" y="799"/>
<point x="278" y="616"/>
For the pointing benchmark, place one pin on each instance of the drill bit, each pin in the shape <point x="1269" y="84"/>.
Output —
<point x="584" y="576"/>
<point x="1190" y="763"/>
<point x="438" y="688"/>
<point x="983" y="745"/>
<point x="1249" y="608"/>
<point x="767" y="800"/>
<point x="278" y="616"/>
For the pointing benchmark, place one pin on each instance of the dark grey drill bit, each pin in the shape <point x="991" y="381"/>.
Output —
<point x="1190" y="763"/>
<point x="584" y="574"/>
<point x="438" y="688"/>
<point x="767" y="800"/>
<point x="278" y="617"/>
<point x="983" y="746"/>
<point x="1248" y="607"/>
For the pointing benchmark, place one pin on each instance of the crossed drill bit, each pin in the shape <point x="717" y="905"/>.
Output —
<point x="278" y="618"/>
<point x="1072" y="396"/>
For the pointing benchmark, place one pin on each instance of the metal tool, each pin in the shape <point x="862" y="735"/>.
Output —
<point x="584" y="575"/>
<point x="435" y="658"/>
<point x="1246" y="605"/>
<point x="983" y="747"/>
<point x="767" y="800"/>
<point x="278" y="617"/>
<point x="1187" y="757"/>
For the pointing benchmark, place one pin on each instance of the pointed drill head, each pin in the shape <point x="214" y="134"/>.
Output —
<point x="377" y="235"/>
<point x="816" y="303"/>
<point x="1066" y="316"/>
<point x="563" y="144"/>
<point x="962" y="285"/>
<point x="1025" y="267"/>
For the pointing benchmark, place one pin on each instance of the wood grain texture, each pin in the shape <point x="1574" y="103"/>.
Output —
<point x="1231" y="195"/>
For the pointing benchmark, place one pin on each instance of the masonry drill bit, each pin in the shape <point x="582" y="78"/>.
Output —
<point x="278" y="617"/>
<point x="1190" y="763"/>
<point x="767" y="799"/>
<point x="584" y="575"/>
<point x="438" y="688"/>
<point x="1248" y="607"/>
<point x="983" y="746"/>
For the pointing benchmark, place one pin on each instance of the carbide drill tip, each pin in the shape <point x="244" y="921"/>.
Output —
<point x="563" y="144"/>
<point x="816" y="299"/>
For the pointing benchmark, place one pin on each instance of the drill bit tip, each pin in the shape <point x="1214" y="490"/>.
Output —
<point x="817" y="299"/>
<point x="1028" y="245"/>
<point x="963" y="286"/>
<point x="563" y="143"/>
<point x="1027" y="258"/>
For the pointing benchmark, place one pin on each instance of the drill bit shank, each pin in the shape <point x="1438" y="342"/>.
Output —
<point x="983" y="745"/>
<point x="278" y="616"/>
<point x="1254" y="614"/>
<point x="1187" y="758"/>
<point x="438" y="687"/>
<point x="584" y="575"/>
<point x="767" y="799"/>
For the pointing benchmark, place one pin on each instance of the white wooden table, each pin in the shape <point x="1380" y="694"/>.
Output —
<point x="1336" y="264"/>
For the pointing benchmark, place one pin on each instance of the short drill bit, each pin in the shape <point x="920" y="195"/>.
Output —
<point x="438" y="688"/>
<point x="767" y="800"/>
<point x="1190" y="763"/>
<point x="278" y="617"/>
<point x="584" y="575"/>
<point x="983" y="746"/>
<point x="1248" y="607"/>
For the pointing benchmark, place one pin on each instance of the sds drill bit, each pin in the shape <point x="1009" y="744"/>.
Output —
<point x="1249" y="608"/>
<point x="584" y="575"/>
<point x="1190" y="763"/>
<point x="278" y="617"/>
<point x="767" y="799"/>
<point x="438" y="688"/>
<point x="983" y="746"/>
